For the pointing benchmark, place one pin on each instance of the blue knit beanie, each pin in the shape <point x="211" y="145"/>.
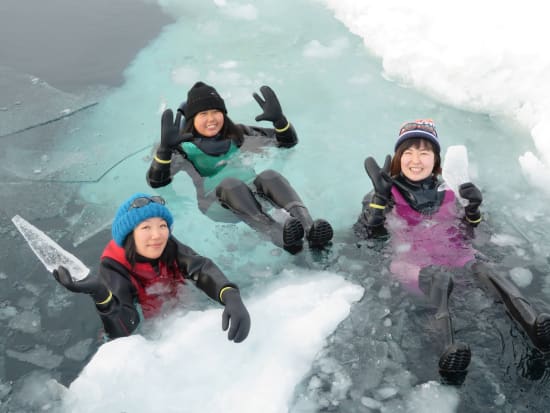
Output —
<point x="419" y="129"/>
<point x="126" y="218"/>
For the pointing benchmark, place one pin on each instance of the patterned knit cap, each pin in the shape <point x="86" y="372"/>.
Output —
<point x="420" y="128"/>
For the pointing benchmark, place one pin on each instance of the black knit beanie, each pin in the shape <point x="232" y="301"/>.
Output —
<point x="202" y="97"/>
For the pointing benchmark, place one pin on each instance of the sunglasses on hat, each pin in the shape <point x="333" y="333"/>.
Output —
<point x="426" y="125"/>
<point x="142" y="201"/>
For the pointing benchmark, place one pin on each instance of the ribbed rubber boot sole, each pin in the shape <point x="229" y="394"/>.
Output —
<point x="542" y="332"/>
<point x="454" y="362"/>
<point x="320" y="233"/>
<point x="293" y="232"/>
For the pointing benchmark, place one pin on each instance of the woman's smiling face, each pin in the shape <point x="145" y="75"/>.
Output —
<point x="209" y="122"/>
<point x="417" y="163"/>
<point x="151" y="237"/>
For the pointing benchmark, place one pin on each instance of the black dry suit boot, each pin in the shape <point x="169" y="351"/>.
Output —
<point x="456" y="356"/>
<point x="288" y="235"/>
<point x="275" y="187"/>
<point x="536" y="325"/>
<point x="318" y="232"/>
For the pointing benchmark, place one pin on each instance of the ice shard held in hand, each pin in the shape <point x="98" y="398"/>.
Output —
<point x="48" y="251"/>
<point x="455" y="168"/>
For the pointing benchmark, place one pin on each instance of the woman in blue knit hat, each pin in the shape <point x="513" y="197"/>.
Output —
<point x="142" y="268"/>
<point x="429" y="234"/>
<point x="206" y="144"/>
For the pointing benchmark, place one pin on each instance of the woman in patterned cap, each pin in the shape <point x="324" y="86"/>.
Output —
<point x="428" y="229"/>
<point x="143" y="267"/>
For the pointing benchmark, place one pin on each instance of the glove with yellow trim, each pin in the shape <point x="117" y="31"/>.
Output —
<point x="472" y="194"/>
<point x="374" y="215"/>
<point x="170" y="136"/>
<point x="272" y="110"/>
<point x="89" y="285"/>
<point x="381" y="180"/>
<point x="236" y="313"/>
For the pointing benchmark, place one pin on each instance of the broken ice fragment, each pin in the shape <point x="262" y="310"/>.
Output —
<point x="455" y="168"/>
<point x="48" y="251"/>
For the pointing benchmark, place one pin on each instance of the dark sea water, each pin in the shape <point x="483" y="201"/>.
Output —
<point x="75" y="47"/>
<point x="72" y="44"/>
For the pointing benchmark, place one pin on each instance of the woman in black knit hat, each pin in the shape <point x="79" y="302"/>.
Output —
<point x="204" y="142"/>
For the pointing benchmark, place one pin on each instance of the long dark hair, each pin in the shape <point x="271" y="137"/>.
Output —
<point x="417" y="143"/>
<point x="168" y="256"/>
<point x="229" y="130"/>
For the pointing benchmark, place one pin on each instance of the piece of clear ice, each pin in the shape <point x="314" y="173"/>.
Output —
<point x="48" y="251"/>
<point x="455" y="169"/>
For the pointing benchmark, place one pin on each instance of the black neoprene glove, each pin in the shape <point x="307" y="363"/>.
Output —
<point x="170" y="136"/>
<point x="472" y="194"/>
<point x="89" y="285"/>
<point x="237" y="313"/>
<point x="272" y="110"/>
<point x="381" y="180"/>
